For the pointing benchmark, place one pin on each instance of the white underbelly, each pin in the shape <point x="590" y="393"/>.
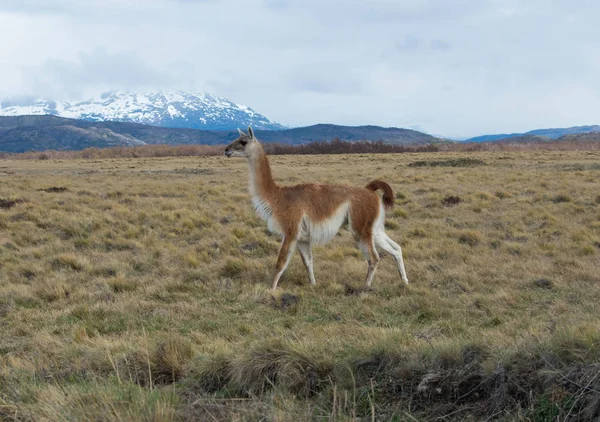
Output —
<point x="325" y="230"/>
<point x="313" y="232"/>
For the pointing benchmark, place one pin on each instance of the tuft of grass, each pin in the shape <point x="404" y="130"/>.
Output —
<point x="69" y="261"/>
<point x="52" y="290"/>
<point x="233" y="268"/>
<point x="6" y="305"/>
<point x="281" y="365"/>
<point x="169" y="359"/>
<point x="391" y="224"/>
<point x="418" y="232"/>
<point x="120" y="284"/>
<point x="470" y="237"/>
<point x="160" y="364"/>
<point x="587" y="250"/>
<point x="210" y="374"/>
<point x="400" y="213"/>
<point x="105" y="271"/>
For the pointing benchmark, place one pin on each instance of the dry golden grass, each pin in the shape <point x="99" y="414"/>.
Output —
<point x="141" y="291"/>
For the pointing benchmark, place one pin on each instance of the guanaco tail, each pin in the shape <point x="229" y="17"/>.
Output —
<point x="310" y="214"/>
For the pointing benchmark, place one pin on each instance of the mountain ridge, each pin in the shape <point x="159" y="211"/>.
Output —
<point x="27" y="133"/>
<point x="177" y="109"/>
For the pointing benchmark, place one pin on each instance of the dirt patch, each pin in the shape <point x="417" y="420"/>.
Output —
<point x="544" y="283"/>
<point x="350" y="290"/>
<point x="458" y="162"/>
<point x="54" y="189"/>
<point x="7" y="204"/>
<point x="451" y="200"/>
<point x="561" y="198"/>
<point x="286" y="301"/>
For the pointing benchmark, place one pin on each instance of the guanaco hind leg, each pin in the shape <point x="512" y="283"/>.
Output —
<point x="305" y="249"/>
<point x="384" y="242"/>
<point x="367" y="247"/>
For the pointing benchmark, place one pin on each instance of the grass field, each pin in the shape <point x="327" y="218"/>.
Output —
<point x="138" y="289"/>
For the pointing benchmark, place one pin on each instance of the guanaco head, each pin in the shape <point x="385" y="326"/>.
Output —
<point x="243" y="145"/>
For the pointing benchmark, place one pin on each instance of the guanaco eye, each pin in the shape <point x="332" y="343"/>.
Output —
<point x="243" y="143"/>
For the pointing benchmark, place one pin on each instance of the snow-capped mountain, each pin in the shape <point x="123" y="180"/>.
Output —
<point x="177" y="109"/>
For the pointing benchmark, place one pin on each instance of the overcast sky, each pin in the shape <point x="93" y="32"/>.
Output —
<point x="448" y="67"/>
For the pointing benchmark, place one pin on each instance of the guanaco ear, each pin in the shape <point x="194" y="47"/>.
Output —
<point x="240" y="132"/>
<point x="250" y="132"/>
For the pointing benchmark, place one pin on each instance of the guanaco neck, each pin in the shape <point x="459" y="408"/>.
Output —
<point x="261" y="179"/>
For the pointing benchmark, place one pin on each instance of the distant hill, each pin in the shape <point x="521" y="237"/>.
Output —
<point x="524" y="139"/>
<point x="583" y="137"/>
<point x="29" y="133"/>
<point x="560" y="132"/>
<point x="491" y="138"/>
<point x="322" y="132"/>
<point x="544" y="133"/>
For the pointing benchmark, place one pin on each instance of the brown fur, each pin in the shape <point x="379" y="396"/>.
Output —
<point x="388" y="194"/>
<point x="319" y="202"/>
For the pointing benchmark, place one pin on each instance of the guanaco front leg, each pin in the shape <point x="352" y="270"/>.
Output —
<point x="288" y="245"/>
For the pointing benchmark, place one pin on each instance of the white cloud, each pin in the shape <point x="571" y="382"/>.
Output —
<point x="451" y="67"/>
<point x="91" y="72"/>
